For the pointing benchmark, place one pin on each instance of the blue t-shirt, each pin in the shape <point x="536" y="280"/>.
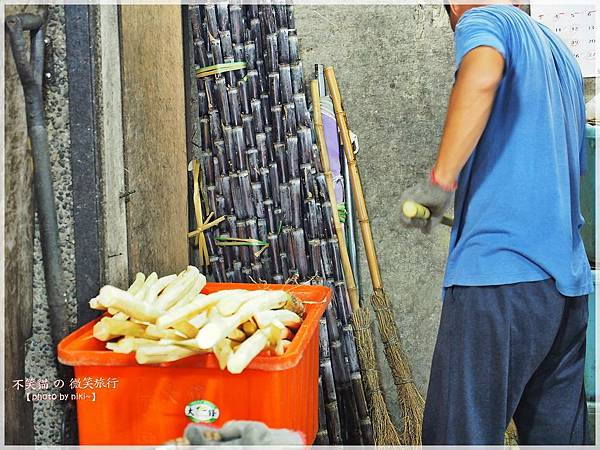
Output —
<point x="517" y="215"/>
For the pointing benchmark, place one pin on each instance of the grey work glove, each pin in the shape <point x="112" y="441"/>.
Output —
<point x="240" y="432"/>
<point x="432" y="197"/>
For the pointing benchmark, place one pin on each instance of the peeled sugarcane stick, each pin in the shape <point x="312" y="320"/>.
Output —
<point x="123" y="301"/>
<point x="129" y="344"/>
<point x="410" y="398"/>
<point x="251" y="347"/>
<point x="384" y="431"/>
<point x="289" y="318"/>
<point x="155" y="354"/>
<point x="109" y="328"/>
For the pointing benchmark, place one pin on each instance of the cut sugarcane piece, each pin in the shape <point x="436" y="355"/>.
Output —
<point x="234" y="299"/>
<point x="223" y="350"/>
<point x="186" y="329"/>
<point x="175" y="290"/>
<point x="129" y="344"/>
<point x="109" y="328"/>
<point x="199" y="320"/>
<point x="137" y="284"/>
<point x="117" y="300"/>
<point x="237" y="335"/>
<point x="220" y="327"/>
<point x="192" y="292"/>
<point x="161" y="333"/>
<point x="186" y="343"/>
<point x="251" y="347"/>
<point x="120" y="316"/>
<point x="185" y="312"/>
<point x="155" y="354"/>
<point x="288" y="318"/>
<point x="96" y="304"/>
<point x="282" y="346"/>
<point x="249" y="327"/>
<point x="158" y="287"/>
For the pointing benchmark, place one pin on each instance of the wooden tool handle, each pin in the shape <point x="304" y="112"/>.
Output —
<point x="357" y="189"/>
<point x="321" y="144"/>
<point x="414" y="210"/>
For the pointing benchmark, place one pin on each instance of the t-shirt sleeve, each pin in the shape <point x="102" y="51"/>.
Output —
<point x="480" y="27"/>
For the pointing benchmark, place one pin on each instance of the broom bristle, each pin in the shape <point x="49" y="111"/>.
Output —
<point x="384" y="431"/>
<point x="410" y="399"/>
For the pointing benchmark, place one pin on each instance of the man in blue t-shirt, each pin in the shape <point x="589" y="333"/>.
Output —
<point x="511" y="342"/>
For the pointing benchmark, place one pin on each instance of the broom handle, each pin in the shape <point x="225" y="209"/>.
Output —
<point x="357" y="189"/>
<point x="318" y="121"/>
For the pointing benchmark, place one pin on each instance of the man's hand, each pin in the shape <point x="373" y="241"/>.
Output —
<point x="431" y="196"/>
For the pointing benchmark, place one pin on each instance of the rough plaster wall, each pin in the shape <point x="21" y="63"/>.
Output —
<point x="40" y="362"/>
<point x="394" y="68"/>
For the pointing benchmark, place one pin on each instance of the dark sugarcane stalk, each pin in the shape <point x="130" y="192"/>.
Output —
<point x="290" y="16"/>
<point x="328" y="220"/>
<point x="314" y="247"/>
<point x="227" y="255"/>
<point x="210" y="19"/>
<point x="250" y="55"/>
<point x="263" y="231"/>
<point x="271" y="53"/>
<point x="322" y="186"/>
<point x="286" y="203"/>
<point x="322" y="437"/>
<point x="327" y="262"/>
<point x="257" y="196"/>
<point x="293" y="45"/>
<point x="235" y="111"/>
<point x="246" y="275"/>
<point x="215" y="267"/>
<point x="222" y="100"/>
<point x="269" y="141"/>
<point x="317" y="161"/>
<point x="218" y="180"/>
<point x="320" y="220"/>
<point x="202" y="103"/>
<point x="251" y="11"/>
<point x="263" y="152"/>
<point x="274" y="252"/>
<point x="334" y="248"/>
<point x="235" y="20"/>
<point x="239" y="145"/>
<point x="257" y="272"/>
<point x="300" y="252"/>
<point x="239" y="205"/>
<point x="296" y="200"/>
<point x="274" y="177"/>
<point x="277" y="124"/>
<point x="297" y="76"/>
<point x="262" y="74"/>
<point x="302" y="114"/>
<point x="248" y="127"/>
<point x="226" y="44"/>
<point x="208" y="167"/>
<point x="209" y="88"/>
<point x="221" y="211"/>
<point x="221" y="164"/>
<point x="281" y="159"/>
<point x="278" y="279"/>
<point x="285" y="83"/>
<point x="232" y="230"/>
<point x="285" y="265"/>
<point x="254" y="88"/>
<point x="256" y="35"/>
<point x="211" y="245"/>
<point x="286" y="242"/>
<point x="265" y="182"/>
<point x="309" y="183"/>
<point x="238" y="56"/>
<point x="334" y="426"/>
<point x="244" y="178"/>
<point x="230" y="276"/>
<point x="222" y="16"/>
<point x="244" y="250"/>
<point x="267" y="267"/>
<point x="253" y="164"/>
<point x="237" y="271"/>
<point x="283" y="45"/>
<point x="205" y="133"/>
<point x="244" y="96"/>
<point x="268" y="21"/>
<point x="265" y="109"/>
<point x="280" y="14"/>
<point x="311" y="218"/>
<point x="230" y="150"/>
<point x="201" y="54"/>
<point x="305" y="145"/>
<point x="257" y="120"/>
<point x="215" y="50"/>
<point x="214" y="119"/>
<point x="274" y="89"/>
<point x="290" y="126"/>
<point x="293" y="163"/>
<point x="196" y="22"/>
<point x="270" y="216"/>
<point x="341" y="373"/>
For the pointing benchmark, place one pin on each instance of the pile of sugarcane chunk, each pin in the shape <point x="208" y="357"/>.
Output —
<point x="166" y="319"/>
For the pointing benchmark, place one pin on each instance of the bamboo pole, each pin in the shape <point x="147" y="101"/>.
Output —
<point x="384" y="431"/>
<point x="410" y="399"/>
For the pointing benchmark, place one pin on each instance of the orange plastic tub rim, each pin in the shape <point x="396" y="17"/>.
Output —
<point x="132" y="404"/>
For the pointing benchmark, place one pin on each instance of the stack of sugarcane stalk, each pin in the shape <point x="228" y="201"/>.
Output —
<point x="261" y="171"/>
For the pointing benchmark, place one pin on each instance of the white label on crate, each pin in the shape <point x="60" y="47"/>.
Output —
<point x="202" y="411"/>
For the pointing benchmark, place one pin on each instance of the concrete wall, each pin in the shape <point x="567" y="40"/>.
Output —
<point x="394" y="65"/>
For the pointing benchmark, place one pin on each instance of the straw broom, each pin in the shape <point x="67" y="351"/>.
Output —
<point x="384" y="431"/>
<point x="410" y="399"/>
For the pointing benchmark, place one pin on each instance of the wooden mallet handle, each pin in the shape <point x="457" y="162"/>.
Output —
<point x="414" y="210"/>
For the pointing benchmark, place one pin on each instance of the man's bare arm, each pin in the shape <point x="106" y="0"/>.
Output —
<point x="471" y="101"/>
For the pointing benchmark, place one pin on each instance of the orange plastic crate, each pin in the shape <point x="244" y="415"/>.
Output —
<point x="146" y="406"/>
